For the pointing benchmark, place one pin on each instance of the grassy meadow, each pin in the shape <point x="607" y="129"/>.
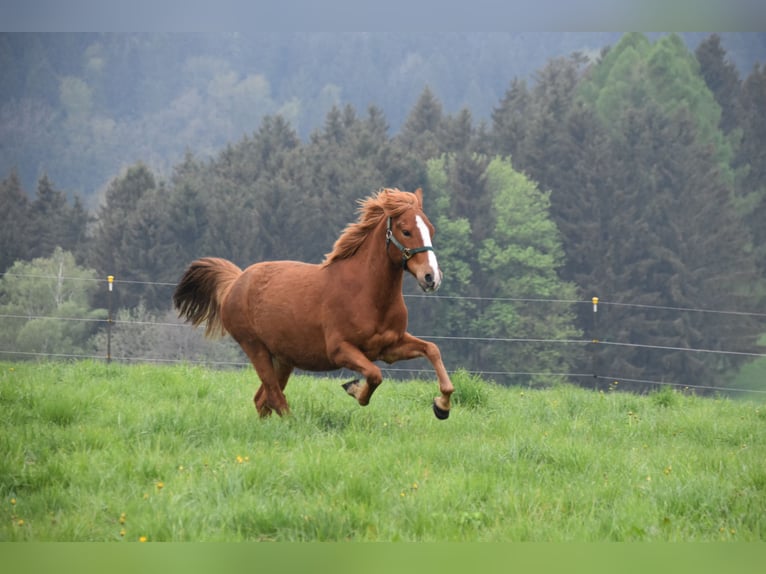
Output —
<point x="96" y="452"/>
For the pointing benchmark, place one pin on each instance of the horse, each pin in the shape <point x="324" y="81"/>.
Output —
<point x="344" y="312"/>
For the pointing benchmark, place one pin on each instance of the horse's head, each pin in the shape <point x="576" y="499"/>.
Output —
<point x="408" y="238"/>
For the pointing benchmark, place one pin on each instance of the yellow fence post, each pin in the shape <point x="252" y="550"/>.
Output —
<point x="110" y="282"/>
<point x="594" y="340"/>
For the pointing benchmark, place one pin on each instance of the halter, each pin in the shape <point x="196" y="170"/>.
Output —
<point x="407" y="253"/>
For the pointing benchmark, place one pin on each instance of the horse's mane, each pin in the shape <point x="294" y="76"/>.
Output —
<point x="387" y="202"/>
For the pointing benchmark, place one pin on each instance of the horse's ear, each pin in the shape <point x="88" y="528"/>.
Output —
<point x="419" y="195"/>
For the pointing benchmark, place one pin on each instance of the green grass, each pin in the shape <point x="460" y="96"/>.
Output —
<point x="91" y="452"/>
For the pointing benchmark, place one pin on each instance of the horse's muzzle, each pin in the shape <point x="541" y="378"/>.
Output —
<point x="430" y="281"/>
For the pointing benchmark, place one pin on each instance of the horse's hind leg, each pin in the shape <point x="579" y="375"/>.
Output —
<point x="260" y="401"/>
<point x="283" y="373"/>
<point x="269" y="396"/>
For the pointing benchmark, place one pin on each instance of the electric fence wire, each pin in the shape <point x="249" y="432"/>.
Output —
<point x="411" y="371"/>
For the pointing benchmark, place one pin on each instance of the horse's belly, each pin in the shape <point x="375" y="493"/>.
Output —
<point x="300" y="349"/>
<point x="295" y="341"/>
<point x="374" y="346"/>
<point x="310" y="363"/>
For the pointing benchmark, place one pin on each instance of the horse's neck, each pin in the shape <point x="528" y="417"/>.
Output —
<point x="385" y="278"/>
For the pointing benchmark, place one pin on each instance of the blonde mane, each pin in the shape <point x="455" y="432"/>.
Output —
<point x="387" y="202"/>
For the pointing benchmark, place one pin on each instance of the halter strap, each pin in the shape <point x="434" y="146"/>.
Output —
<point x="407" y="252"/>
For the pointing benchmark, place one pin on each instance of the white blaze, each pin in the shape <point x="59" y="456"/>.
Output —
<point x="426" y="235"/>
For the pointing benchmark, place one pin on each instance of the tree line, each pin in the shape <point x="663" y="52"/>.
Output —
<point x="82" y="105"/>
<point x="637" y="177"/>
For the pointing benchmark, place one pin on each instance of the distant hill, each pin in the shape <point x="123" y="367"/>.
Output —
<point x="81" y="106"/>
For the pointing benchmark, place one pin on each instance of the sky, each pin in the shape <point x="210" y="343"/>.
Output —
<point x="388" y="15"/>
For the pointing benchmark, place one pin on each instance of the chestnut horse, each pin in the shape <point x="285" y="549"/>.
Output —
<point x="346" y="312"/>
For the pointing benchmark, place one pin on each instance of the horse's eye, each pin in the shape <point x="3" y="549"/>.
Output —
<point x="406" y="233"/>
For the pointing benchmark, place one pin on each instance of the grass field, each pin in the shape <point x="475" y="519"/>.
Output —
<point x="95" y="452"/>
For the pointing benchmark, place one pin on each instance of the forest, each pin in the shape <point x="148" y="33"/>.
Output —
<point x="634" y="173"/>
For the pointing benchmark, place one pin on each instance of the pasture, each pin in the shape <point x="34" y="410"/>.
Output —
<point x="126" y="453"/>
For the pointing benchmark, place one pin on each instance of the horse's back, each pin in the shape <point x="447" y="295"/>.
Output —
<point x="275" y="287"/>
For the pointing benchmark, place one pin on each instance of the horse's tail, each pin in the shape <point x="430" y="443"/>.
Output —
<point x="201" y="291"/>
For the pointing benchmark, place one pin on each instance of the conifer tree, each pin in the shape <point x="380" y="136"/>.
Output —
<point x="113" y="251"/>
<point x="421" y="133"/>
<point x="751" y="159"/>
<point x="510" y="122"/>
<point x="248" y="195"/>
<point x="619" y="162"/>
<point x="56" y="222"/>
<point x="722" y="79"/>
<point x="457" y="132"/>
<point x="15" y="222"/>
<point x="675" y="239"/>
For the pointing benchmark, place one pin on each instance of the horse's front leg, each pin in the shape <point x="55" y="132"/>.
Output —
<point x="409" y="347"/>
<point x="350" y="357"/>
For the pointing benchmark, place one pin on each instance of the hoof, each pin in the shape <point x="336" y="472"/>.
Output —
<point x="440" y="413"/>
<point x="350" y="385"/>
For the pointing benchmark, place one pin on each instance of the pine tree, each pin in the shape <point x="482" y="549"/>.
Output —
<point x="582" y="203"/>
<point x="510" y="121"/>
<point x="751" y="158"/>
<point x="722" y="79"/>
<point x="457" y="133"/>
<point x="340" y="165"/>
<point x="336" y="169"/>
<point x="675" y="240"/>
<point x="421" y="133"/>
<point x="16" y="230"/>
<point x="250" y="191"/>
<point x="113" y="251"/>
<point x="635" y="73"/>
<point x="544" y="151"/>
<point x="558" y="141"/>
<point x="470" y="198"/>
<point x="618" y="150"/>
<point x="56" y="222"/>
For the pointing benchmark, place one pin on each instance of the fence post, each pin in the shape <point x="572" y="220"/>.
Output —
<point x="594" y="340"/>
<point x="110" y="282"/>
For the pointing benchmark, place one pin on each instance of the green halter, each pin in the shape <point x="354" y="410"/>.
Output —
<point x="407" y="253"/>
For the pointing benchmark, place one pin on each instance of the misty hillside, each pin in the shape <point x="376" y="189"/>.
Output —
<point x="80" y="107"/>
